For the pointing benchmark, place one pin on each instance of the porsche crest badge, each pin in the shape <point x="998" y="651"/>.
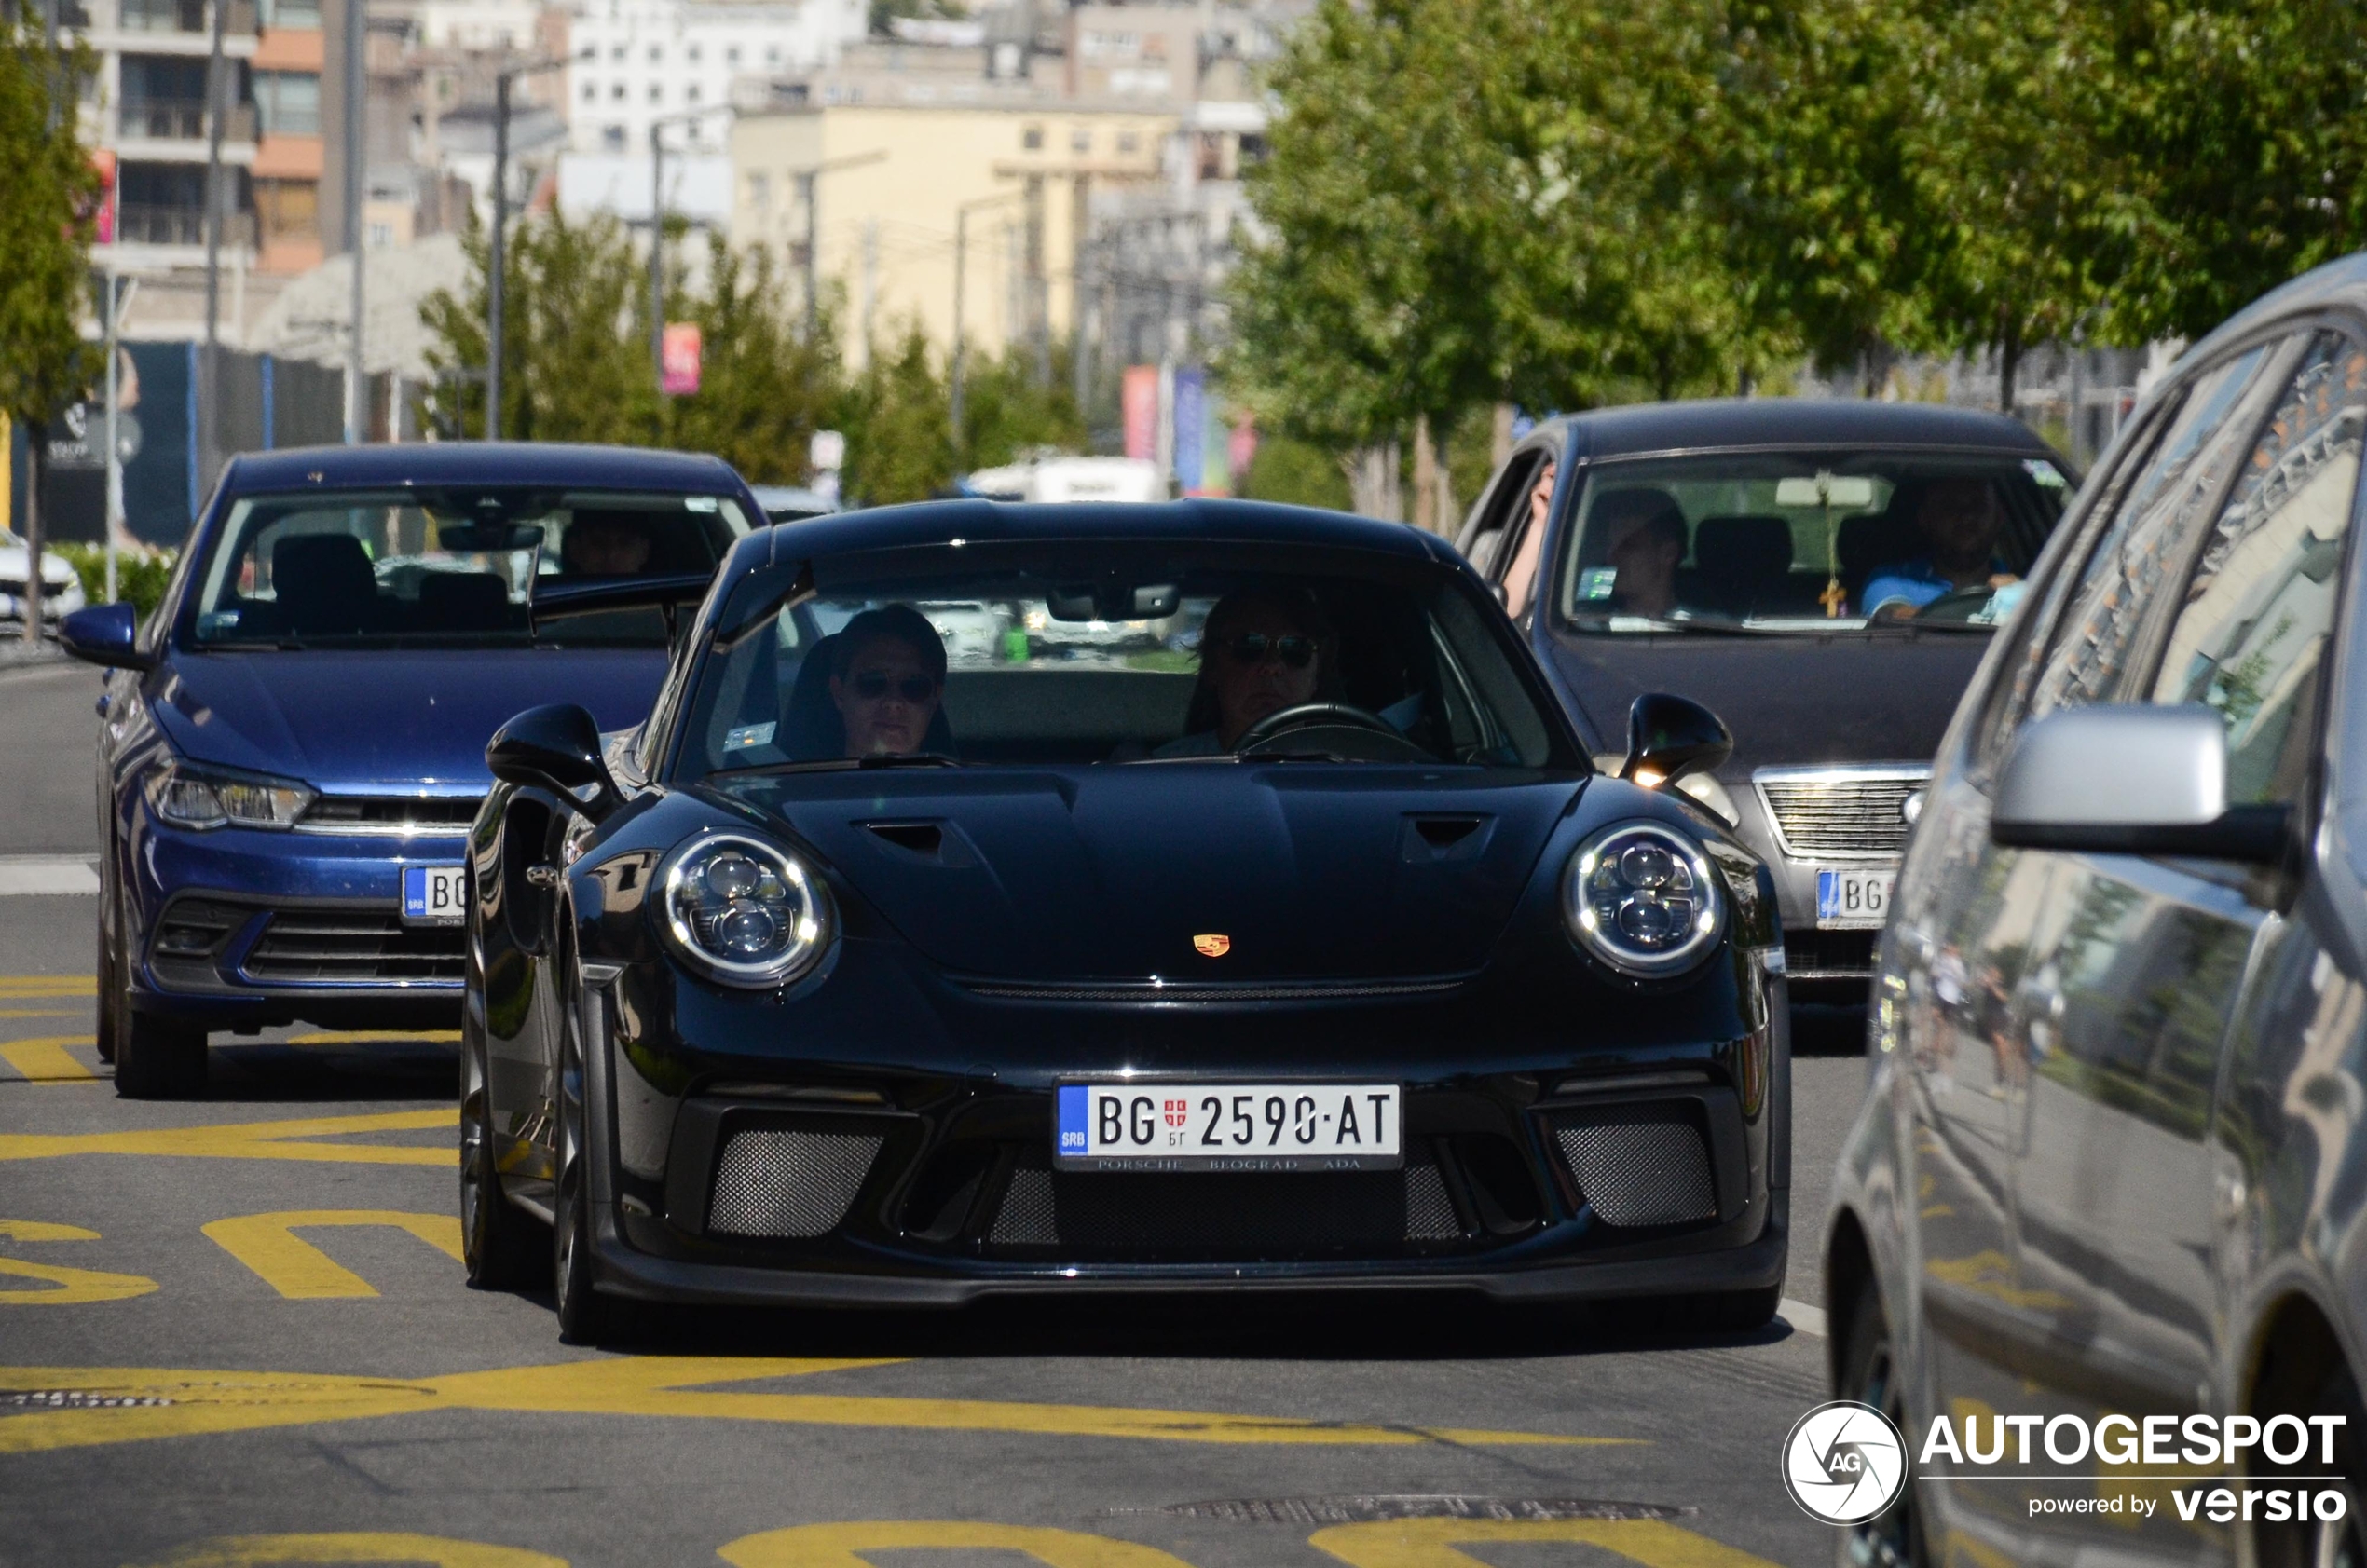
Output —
<point x="1214" y="943"/>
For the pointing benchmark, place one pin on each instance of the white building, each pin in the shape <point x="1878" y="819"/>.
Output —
<point x="636" y="60"/>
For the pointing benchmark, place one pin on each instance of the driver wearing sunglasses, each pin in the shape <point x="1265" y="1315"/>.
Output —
<point x="887" y="680"/>
<point x="1262" y="649"/>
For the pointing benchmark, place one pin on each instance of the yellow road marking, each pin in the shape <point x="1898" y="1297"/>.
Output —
<point x="1430" y="1542"/>
<point x="268" y="1245"/>
<point x="46" y="988"/>
<point x="351" y="1546"/>
<point x="38" y="1012"/>
<point x="66" y="1287"/>
<point x="659" y="1385"/>
<point x="45" y="1059"/>
<point x="254" y="1140"/>
<point x="364" y="1036"/>
<point x="841" y="1546"/>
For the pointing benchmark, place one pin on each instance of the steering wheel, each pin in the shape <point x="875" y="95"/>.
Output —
<point x="1361" y="729"/>
<point x="1961" y="605"/>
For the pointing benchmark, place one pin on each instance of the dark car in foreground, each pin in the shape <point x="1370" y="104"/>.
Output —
<point x="2111" y="1162"/>
<point x="294" y="743"/>
<point x="1823" y="575"/>
<point x="1246" y="915"/>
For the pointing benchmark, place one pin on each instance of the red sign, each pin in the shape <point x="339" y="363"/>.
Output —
<point x="103" y="219"/>
<point x="1140" y="398"/>
<point x="678" y="356"/>
<point x="1242" y="451"/>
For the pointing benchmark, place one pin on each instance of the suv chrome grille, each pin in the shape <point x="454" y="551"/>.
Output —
<point x="1852" y="813"/>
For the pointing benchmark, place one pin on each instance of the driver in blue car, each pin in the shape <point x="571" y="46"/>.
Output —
<point x="1261" y="650"/>
<point x="1960" y="521"/>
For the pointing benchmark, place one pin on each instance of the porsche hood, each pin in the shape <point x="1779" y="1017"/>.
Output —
<point x="1182" y="872"/>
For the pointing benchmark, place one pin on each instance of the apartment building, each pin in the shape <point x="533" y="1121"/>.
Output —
<point x="640" y="60"/>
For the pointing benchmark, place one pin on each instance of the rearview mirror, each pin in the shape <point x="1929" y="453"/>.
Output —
<point x="556" y="748"/>
<point x="1848" y="492"/>
<point x="1669" y="737"/>
<point x="105" y="635"/>
<point x="2133" y="779"/>
<point x="1113" y="601"/>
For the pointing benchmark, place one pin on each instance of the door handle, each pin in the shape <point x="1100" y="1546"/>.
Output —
<point x="545" y="876"/>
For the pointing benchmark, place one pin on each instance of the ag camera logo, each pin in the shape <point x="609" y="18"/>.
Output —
<point x="1844" y="1462"/>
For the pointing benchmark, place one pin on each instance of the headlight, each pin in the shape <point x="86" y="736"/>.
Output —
<point x="1642" y="897"/>
<point x="187" y="797"/>
<point x="743" y="911"/>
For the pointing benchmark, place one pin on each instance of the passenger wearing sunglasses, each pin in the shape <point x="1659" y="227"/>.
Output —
<point x="1261" y="650"/>
<point x="887" y="679"/>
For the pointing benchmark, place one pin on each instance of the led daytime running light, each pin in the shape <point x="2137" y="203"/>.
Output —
<point x="743" y="911"/>
<point x="1643" y="897"/>
<point x="187" y="797"/>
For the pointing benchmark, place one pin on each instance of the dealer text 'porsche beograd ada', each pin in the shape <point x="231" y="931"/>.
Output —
<point x="1006" y="898"/>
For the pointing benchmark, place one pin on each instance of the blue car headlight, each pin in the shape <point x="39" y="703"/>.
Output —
<point x="743" y="911"/>
<point x="1643" y="897"/>
<point x="198" y="797"/>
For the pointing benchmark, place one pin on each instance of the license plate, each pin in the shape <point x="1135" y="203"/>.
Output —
<point x="1852" y="898"/>
<point x="434" y="894"/>
<point x="1229" y="1126"/>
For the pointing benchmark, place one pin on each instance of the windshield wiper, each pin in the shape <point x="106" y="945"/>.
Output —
<point x="844" y="764"/>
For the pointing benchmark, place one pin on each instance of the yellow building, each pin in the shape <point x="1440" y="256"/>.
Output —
<point x="891" y="183"/>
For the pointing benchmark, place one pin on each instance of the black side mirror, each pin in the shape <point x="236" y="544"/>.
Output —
<point x="1669" y="737"/>
<point x="105" y="635"/>
<point x="557" y="748"/>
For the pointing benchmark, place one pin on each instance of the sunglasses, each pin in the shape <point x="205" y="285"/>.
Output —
<point x="873" y="685"/>
<point x="1255" y="648"/>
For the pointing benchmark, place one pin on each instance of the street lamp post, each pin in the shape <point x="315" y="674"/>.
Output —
<point x="496" y="333"/>
<point x="657" y="236"/>
<point x="960" y="261"/>
<point x="809" y="183"/>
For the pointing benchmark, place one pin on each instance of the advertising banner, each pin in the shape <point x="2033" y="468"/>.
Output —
<point x="1191" y="429"/>
<point x="1140" y="400"/>
<point x="679" y="352"/>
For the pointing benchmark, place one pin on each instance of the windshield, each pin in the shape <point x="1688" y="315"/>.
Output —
<point x="445" y="567"/>
<point x="1808" y="542"/>
<point x="1150" y="654"/>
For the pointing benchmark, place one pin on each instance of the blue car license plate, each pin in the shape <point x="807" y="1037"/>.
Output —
<point x="434" y="894"/>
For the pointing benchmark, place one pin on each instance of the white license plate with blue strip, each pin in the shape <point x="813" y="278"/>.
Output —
<point x="1854" y="900"/>
<point x="434" y="894"/>
<point x="1229" y="1126"/>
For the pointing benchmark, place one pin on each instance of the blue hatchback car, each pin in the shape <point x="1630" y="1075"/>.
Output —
<point x="293" y="744"/>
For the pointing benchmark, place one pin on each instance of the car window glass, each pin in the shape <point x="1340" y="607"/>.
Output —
<point x="2150" y="535"/>
<point x="1507" y="509"/>
<point x="2252" y="626"/>
<point x="1527" y="535"/>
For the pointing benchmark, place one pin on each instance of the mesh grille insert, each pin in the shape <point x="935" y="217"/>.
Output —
<point x="775" y="1182"/>
<point x="1640" y="1172"/>
<point x="1223" y="1214"/>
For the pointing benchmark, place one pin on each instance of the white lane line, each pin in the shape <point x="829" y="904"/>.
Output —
<point x="1804" y="1319"/>
<point x="23" y="876"/>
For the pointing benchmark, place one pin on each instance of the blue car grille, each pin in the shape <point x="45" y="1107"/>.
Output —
<point x="355" y="947"/>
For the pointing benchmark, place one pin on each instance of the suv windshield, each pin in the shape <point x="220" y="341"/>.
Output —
<point x="1813" y="541"/>
<point x="445" y="567"/>
<point x="1121" y="653"/>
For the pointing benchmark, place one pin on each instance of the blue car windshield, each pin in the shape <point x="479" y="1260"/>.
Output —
<point x="413" y="566"/>
<point x="1106" y="652"/>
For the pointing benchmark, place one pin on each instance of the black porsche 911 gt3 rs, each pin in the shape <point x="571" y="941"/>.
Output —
<point x="1006" y="898"/>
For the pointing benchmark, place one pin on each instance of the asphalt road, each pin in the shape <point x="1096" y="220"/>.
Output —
<point x="230" y="1332"/>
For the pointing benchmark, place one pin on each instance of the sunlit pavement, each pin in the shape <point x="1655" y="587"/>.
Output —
<point x="233" y="1330"/>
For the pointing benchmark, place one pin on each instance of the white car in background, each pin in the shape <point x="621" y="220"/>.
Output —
<point x="60" y="588"/>
<point x="1058" y="479"/>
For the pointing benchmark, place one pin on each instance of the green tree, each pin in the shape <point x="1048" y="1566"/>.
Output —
<point x="1006" y="410"/>
<point x="899" y="441"/>
<point x="763" y="387"/>
<point x="48" y="205"/>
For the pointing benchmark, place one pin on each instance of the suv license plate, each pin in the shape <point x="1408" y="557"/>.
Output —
<point x="1847" y="900"/>
<point x="1229" y="1126"/>
<point x="434" y="894"/>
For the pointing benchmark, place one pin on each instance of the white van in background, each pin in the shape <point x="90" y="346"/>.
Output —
<point x="1059" y="479"/>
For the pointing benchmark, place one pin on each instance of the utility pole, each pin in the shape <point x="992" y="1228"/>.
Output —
<point x="496" y="333"/>
<point x="810" y="192"/>
<point x="1039" y="304"/>
<point x="356" y="160"/>
<point x="210" y="396"/>
<point x="118" y="300"/>
<point x="961" y="268"/>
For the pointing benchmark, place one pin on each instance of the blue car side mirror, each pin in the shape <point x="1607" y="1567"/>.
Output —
<point x="105" y="635"/>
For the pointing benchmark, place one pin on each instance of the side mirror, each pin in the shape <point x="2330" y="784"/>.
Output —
<point x="556" y="748"/>
<point x="105" y="635"/>
<point x="2131" y="780"/>
<point x="1669" y="737"/>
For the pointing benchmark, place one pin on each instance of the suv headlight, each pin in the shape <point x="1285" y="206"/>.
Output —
<point x="1643" y="897"/>
<point x="743" y="911"/>
<point x="189" y="796"/>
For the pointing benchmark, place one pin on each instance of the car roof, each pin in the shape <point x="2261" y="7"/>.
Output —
<point x="1013" y="523"/>
<point x="479" y="462"/>
<point x="2338" y="284"/>
<point x="1638" y="428"/>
